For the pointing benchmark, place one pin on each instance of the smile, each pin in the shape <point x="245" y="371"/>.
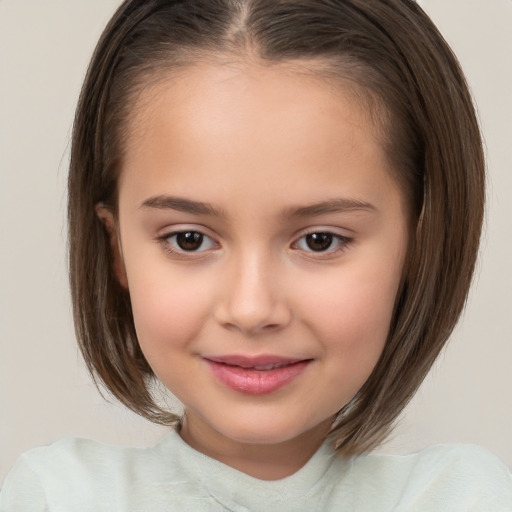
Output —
<point x="256" y="375"/>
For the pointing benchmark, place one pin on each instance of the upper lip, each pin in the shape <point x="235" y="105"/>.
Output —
<point x="266" y="361"/>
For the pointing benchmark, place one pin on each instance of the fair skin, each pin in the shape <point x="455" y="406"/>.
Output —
<point x="271" y="313"/>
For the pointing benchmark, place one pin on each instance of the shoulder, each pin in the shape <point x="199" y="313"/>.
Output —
<point x="448" y="477"/>
<point x="77" y="459"/>
<point x="51" y="473"/>
<point x="95" y="475"/>
<point x="468" y="459"/>
<point x="462" y="463"/>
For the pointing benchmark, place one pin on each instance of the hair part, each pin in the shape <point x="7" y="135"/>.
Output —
<point x="410" y="82"/>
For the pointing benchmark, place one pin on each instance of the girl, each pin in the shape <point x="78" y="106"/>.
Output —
<point x="274" y="210"/>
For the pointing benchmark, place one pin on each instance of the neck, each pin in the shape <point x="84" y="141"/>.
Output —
<point x="263" y="461"/>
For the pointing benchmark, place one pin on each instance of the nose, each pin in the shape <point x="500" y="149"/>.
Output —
<point x="252" y="298"/>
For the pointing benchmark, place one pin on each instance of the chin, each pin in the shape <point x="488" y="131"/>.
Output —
<point x="262" y="431"/>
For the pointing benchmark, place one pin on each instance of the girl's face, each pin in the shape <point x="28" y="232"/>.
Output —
<point x="263" y="239"/>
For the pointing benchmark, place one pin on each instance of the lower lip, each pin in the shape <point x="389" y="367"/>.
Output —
<point x="256" y="382"/>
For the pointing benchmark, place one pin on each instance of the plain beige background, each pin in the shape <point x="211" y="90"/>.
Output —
<point x="46" y="394"/>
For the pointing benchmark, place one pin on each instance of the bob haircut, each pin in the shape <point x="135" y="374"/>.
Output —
<point x="403" y="71"/>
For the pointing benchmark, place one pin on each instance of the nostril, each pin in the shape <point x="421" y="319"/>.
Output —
<point x="233" y="321"/>
<point x="271" y="327"/>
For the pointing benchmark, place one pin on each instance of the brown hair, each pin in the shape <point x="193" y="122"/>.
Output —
<point x="396" y="56"/>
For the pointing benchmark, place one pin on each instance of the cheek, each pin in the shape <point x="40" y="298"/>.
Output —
<point x="351" y="322"/>
<point x="168" y="313"/>
<point x="351" y="312"/>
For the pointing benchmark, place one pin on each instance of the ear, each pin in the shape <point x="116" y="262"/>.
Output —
<point x="109" y="221"/>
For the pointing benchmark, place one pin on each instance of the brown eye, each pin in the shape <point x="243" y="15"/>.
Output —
<point x="319" y="241"/>
<point x="323" y="243"/>
<point x="189" y="240"/>
<point x="183" y="243"/>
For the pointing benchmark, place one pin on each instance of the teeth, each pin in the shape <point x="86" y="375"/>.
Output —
<point x="269" y="366"/>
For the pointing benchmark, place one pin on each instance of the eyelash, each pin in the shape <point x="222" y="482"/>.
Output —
<point x="342" y="243"/>
<point x="166" y="242"/>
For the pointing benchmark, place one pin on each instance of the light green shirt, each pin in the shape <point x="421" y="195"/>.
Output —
<point x="79" y="475"/>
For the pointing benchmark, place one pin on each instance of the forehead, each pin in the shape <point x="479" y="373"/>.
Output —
<point x="276" y="125"/>
<point x="229" y="89"/>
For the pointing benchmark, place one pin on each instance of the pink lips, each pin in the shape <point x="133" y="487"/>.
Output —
<point x="255" y="375"/>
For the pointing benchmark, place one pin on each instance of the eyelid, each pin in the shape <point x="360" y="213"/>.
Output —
<point x="167" y="233"/>
<point x="174" y="229"/>
<point x="344" y="242"/>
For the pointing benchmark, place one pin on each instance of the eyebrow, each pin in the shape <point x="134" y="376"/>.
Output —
<point x="164" y="202"/>
<point x="331" y="206"/>
<point x="182" y="205"/>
